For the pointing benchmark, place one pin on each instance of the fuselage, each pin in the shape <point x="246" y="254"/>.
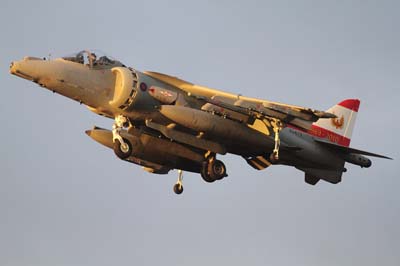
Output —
<point x="109" y="88"/>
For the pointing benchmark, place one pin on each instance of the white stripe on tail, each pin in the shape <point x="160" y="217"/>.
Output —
<point x="338" y="130"/>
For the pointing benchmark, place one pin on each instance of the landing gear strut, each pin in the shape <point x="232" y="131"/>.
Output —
<point x="213" y="169"/>
<point x="178" y="187"/>
<point x="122" y="146"/>
<point x="277" y="127"/>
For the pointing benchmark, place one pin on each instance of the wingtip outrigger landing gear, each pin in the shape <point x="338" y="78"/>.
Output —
<point x="277" y="126"/>
<point x="122" y="146"/>
<point x="178" y="187"/>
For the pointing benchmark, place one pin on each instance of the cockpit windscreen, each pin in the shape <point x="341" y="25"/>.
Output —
<point x="93" y="59"/>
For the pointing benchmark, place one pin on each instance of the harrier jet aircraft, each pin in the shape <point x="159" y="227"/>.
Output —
<point x="162" y="122"/>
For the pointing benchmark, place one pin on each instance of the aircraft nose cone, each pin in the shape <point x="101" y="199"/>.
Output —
<point x="13" y="68"/>
<point x="30" y="68"/>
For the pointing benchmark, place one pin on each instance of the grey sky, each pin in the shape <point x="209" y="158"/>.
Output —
<point x="65" y="200"/>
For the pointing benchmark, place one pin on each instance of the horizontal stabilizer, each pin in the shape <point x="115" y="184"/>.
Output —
<point x="348" y="150"/>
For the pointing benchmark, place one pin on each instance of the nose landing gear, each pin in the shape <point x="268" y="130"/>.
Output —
<point x="122" y="147"/>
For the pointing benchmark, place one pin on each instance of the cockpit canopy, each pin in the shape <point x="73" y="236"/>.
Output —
<point x="93" y="59"/>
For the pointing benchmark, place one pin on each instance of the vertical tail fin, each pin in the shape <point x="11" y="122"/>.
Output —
<point x="338" y="130"/>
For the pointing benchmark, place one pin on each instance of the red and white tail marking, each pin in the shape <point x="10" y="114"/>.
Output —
<point x="338" y="130"/>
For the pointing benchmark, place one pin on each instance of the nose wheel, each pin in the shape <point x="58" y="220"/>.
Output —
<point x="178" y="187"/>
<point x="122" y="150"/>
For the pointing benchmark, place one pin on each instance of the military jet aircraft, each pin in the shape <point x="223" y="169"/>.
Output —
<point x="162" y="122"/>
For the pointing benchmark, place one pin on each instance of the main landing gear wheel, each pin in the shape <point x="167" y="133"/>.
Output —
<point x="217" y="170"/>
<point x="204" y="173"/>
<point x="123" y="150"/>
<point x="213" y="170"/>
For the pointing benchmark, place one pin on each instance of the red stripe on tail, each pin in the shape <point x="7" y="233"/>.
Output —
<point x="352" y="104"/>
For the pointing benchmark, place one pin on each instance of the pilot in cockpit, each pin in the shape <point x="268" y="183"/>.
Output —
<point x="104" y="60"/>
<point x="79" y="58"/>
<point x="92" y="59"/>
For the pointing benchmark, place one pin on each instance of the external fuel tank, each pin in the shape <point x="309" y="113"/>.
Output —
<point x="216" y="126"/>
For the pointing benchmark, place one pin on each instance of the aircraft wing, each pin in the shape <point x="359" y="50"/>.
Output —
<point x="300" y="117"/>
<point x="290" y="114"/>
